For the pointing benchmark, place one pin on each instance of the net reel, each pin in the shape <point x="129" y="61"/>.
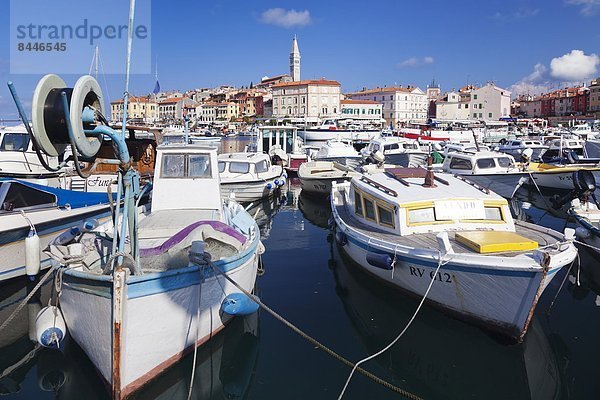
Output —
<point x="49" y="119"/>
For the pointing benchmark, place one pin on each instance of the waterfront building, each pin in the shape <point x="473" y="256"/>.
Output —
<point x="399" y="104"/>
<point x="573" y="101"/>
<point x="453" y="106"/>
<point x="594" y="104"/>
<point x="489" y="103"/>
<point x="139" y="110"/>
<point x="171" y="110"/>
<point x="364" y="110"/>
<point x="217" y="112"/>
<point x="309" y="99"/>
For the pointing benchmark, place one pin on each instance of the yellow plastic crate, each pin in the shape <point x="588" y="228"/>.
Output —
<point x="494" y="241"/>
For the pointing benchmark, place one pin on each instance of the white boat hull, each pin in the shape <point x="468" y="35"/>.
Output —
<point x="556" y="180"/>
<point x="160" y="321"/>
<point x="323" y="135"/>
<point x="248" y="191"/>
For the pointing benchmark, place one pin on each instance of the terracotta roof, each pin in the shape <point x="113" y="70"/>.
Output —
<point x="133" y="99"/>
<point x="172" y="100"/>
<point x="350" y="101"/>
<point x="387" y="89"/>
<point x="321" y="82"/>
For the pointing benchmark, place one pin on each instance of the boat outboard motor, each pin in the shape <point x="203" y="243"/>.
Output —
<point x="584" y="186"/>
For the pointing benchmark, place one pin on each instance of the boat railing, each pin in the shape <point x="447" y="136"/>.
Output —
<point x="379" y="186"/>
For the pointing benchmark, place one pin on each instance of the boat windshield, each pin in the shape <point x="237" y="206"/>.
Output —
<point x="18" y="196"/>
<point x="14" y="142"/>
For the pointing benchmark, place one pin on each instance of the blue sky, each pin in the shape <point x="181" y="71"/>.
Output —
<point x="207" y="43"/>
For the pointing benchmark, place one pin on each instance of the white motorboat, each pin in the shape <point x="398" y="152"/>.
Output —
<point x="397" y="151"/>
<point x="249" y="176"/>
<point x="492" y="170"/>
<point x="516" y="147"/>
<point x="339" y="151"/>
<point x="316" y="176"/>
<point x="448" y="240"/>
<point x="19" y="160"/>
<point x="330" y="129"/>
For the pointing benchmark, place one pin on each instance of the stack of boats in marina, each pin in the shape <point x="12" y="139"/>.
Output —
<point x="139" y="291"/>
<point x="410" y="227"/>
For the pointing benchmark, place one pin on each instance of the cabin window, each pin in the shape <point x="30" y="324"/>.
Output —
<point x="460" y="163"/>
<point x="185" y="166"/>
<point x="239" y="167"/>
<point x="262" y="166"/>
<point x="14" y="142"/>
<point x="173" y="166"/>
<point x="484" y="163"/>
<point x="421" y="215"/>
<point x="221" y="166"/>
<point x="393" y="146"/>
<point x="22" y="196"/>
<point x="358" y="204"/>
<point x="199" y="166"/>
<point x="385" y="216"/>
<point x="493" y="214"/>
<point x="504" y="162"/>
<point x="369" y="209"/>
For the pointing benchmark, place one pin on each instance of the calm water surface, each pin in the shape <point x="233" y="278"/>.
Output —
<point x="308" y="281"/>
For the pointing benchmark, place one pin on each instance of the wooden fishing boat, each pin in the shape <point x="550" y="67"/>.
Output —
<point x="485" y="267"/>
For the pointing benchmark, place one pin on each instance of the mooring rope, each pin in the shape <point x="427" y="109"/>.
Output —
<point x="386" y="348"/>
<point x="315" y="342"/>
<point x="27" y="298"/>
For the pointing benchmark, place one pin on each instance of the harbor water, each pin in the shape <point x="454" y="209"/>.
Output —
<point x="308" y="281"/>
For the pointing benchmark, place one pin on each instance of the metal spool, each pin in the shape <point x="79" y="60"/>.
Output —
<point x="48" y="114"/>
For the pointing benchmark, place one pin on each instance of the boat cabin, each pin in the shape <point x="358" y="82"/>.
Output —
<point x="186" y="178"/>
<point x="477" y="163"/>
<point x="396" y="201"/>
<point x="390" y="145"/>
<point x="248" y="166"/>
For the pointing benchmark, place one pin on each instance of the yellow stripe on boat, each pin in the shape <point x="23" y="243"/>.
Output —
<point x="495" y="241"/>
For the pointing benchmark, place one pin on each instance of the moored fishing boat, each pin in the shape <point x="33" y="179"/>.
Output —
<point x="484" y="267"/>
<point x="137" y="293"/>
<point x="249" y="176"/>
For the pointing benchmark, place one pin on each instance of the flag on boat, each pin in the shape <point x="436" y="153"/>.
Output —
<point x="156" y="87"/>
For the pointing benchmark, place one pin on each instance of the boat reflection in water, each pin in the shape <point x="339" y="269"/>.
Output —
<point x="224" y="369"/>
<point x="315" y="209"/>
<point x="18" y="350"/>
<point x="439" y="357"/>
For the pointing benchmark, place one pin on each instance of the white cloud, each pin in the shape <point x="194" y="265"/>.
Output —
<point x="285" y="18"/>
<point x="574" y="66"/>
<point x="588" y="7"/>
<point x="416" y="62"/>
<point x="534" y="83"/>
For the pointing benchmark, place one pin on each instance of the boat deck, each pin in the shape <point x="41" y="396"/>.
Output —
<point x="541" y="235"/>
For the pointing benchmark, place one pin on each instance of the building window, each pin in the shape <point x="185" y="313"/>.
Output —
<point x="474" y="97"/>
<point x="490" y="115"/>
